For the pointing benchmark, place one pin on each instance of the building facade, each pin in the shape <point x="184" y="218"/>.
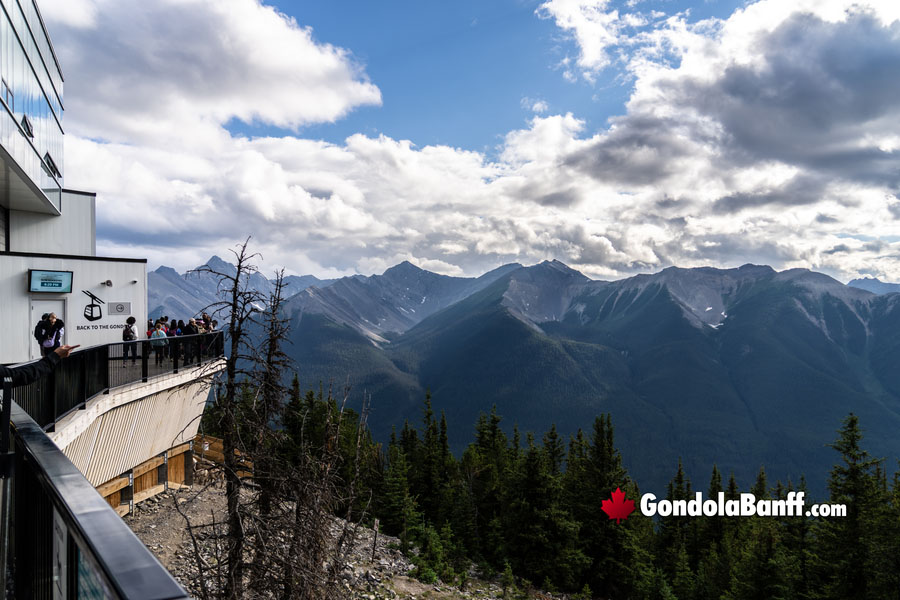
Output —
<point x="48" y="259"/>
<point x="31" y="92"/>
<point x="127" y="425"/>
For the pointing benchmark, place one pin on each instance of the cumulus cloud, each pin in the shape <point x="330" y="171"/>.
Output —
<point x="768" y="137"/>
<point x="196" y="64"/>
<point x="765" y="119"/>
<point x="594" y="24"/>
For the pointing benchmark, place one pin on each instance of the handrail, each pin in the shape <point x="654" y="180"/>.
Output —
<point x="67" y="541"/>
<point x="96" y="370"/>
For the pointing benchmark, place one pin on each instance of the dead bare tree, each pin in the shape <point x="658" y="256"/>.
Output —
<point x="240" y="303"/>
<point x="281" y="535"/>
<point x="269" y="371"/>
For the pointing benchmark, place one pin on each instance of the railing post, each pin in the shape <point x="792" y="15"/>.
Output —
<point x="52" y="404"/>
<point x="82" y="377"/>
<point x="104" y="356"/>
<point x="6" y="466"/>
<point x="145" y="360"/>
<point x="174" y="350"/>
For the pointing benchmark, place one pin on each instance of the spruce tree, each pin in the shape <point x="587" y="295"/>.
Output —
<point x="844" y="564"/>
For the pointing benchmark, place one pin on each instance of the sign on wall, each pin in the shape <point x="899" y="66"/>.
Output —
<point x="56" y="282"/>
<point x="98" y="315"/>
<point x="93" y="311"/>
<point x="119" y="308"/>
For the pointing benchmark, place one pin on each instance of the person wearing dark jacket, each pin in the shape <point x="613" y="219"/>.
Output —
<point x="53" y="334"/>
<point x="40" y="330"/>
<point x="25" y="374"/>
<point x="192" y="345"/>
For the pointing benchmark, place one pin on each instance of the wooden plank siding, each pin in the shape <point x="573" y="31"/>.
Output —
<point x="149" y="465"/>
<point x="173" y="469"/>
<point x="114" y="499"/>
<point x="176" y="468"/>
<point x="113" y="485"/>
<point x="144" y="482"/>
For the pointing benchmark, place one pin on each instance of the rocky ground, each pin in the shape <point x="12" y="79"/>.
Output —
<point x="159" y="523"/>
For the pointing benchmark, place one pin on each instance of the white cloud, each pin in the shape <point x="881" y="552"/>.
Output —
<point x="536" y="106"/>
<point x="595" y="26"/>
<point x="731" y="149"/>
<point x="194" y="65"/>
<point x="73" y="13"/>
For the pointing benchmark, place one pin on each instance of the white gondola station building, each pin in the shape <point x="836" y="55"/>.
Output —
<point x="48" y="260"/>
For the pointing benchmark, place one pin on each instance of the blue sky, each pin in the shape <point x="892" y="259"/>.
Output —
<point x="450" y="73"/>
<point x="456" y="73"/>
<point x="619" y="137"/>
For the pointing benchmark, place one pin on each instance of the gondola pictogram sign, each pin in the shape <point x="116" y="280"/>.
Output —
<point x="93" y="311"/>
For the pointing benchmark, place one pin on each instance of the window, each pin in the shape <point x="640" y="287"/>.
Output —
<point x="7" y="95"/>
<point x="27" y="127"/>
<point x="50" y="166"/>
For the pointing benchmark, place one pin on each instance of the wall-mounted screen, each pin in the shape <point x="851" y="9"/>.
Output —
<point x="57" y="282"/>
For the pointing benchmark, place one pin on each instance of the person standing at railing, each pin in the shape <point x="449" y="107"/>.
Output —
<point x="129" y="336"/>
<point x="29" y="372"/>
<point x="159" y="343"/>
<point x="190" y="346"/>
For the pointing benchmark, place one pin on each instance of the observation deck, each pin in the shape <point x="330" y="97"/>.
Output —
<point x="92" y="421"/>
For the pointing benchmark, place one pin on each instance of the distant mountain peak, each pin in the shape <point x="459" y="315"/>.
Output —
<point x="215" y="261"/>
<point x="403" y="267"/>
<point x="753" y="267"/>
<point x="218" y="265"/>
<point x="164" y="270"/>
<point x="561" y="267"/>
<point x="874" y="285"/>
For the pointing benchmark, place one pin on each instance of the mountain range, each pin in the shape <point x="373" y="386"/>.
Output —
<point x="875" y="285"/>
<point x="739" y="367"/>
<point x="182" y="296"/>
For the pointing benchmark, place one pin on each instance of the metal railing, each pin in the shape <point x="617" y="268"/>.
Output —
<point x="65" y="540"/>
<point x="96" y="370"/>
<point x="58" y="537"/>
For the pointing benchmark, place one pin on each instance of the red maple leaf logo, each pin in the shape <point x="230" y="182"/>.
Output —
<point x="618" y="508"/>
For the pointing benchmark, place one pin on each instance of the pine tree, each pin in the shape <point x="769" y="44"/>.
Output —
<point x="673" y="530"/>
<point x="554" y="450"/>
<point x="883" y="523"/>
<point x="542" y="533"/>
<point x="845" y="543"/>
<point x="398" y="506"/>
<point x="593" y="471"/>
<point x="764" y="570"/>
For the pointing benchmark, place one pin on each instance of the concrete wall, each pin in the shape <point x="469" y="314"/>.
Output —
<point x="72" y="232"/>
<point x="130" y="425"/>
<point x="18" y="307"/>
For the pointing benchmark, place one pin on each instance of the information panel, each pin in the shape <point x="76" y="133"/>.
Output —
<point x="58" y="282"/>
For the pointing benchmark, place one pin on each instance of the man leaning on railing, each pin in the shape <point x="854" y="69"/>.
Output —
<point x="25" y="374"/>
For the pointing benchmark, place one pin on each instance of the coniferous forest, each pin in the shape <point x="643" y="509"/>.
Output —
<point x="527" y="507"/>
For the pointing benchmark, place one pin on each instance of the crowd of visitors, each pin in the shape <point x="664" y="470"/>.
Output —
<point x="160" y="330"/>
<point x="170" y="328"/>
<point x="50" y="331"/>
